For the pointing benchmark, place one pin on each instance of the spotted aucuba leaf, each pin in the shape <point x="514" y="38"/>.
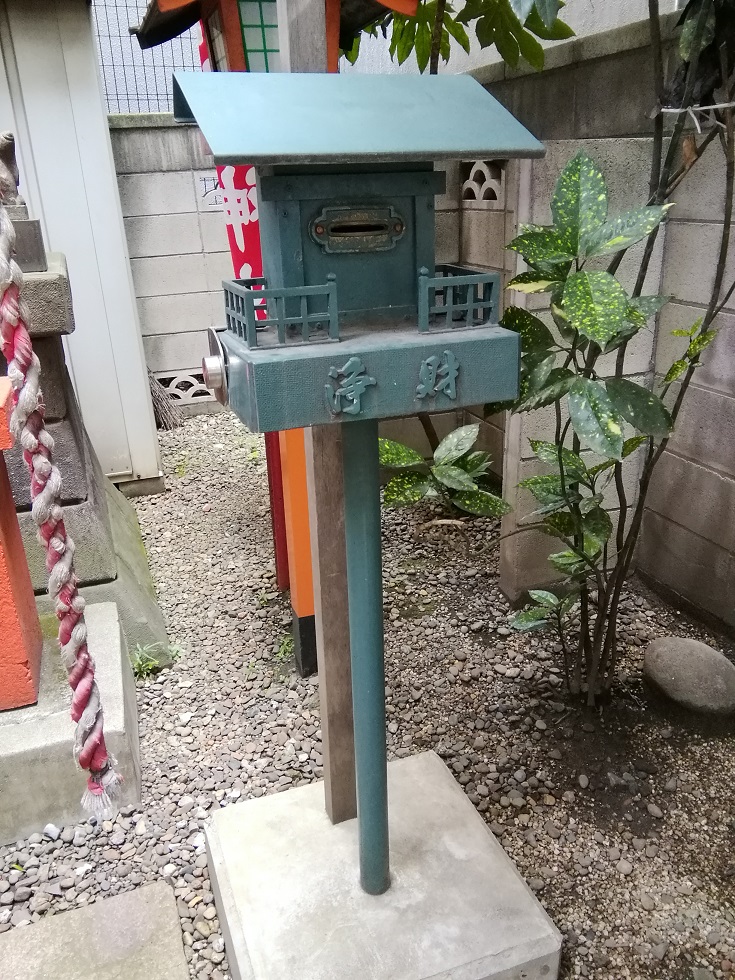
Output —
<point x="542" y="246"/>
<point x="546" y="488"/>
<point x="596" y="305"/>
<point x="408" y="488"/>
<point x="533" y="282"/>
<point x="700" y="343"/>
<point x="594" y="418"/>
<point x="623" y="231"/>
<point x="639" y="406"/>
<point x="534" y="618"/>
<point x="453" y="477"/>
<point x="642" y="308"/>
<point x="689" y="30"/>
<point x="557" y="385"/>
<point x="547" y="452"/>
<point x="395" y="455"/>
<point x="535" y="335"/>
<point x="675" y="371"/>
<point x="579" y="204"/>
<point x="481" y="503"/>
<point x="597" y="527"/>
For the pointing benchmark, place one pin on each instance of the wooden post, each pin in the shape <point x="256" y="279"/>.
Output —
<point x="329" y="568"/>
<point x="21" y="641"/>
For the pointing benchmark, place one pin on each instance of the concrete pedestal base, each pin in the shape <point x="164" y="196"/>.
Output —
<point x="288" y="895"/>
<point x="40" y="782"/>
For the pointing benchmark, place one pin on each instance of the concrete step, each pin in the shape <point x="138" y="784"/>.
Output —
<point x="135" y="936"/>
<point x="40" y="782"/>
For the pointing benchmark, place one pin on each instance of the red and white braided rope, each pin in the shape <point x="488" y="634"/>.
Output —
<point x="29" y="429"/>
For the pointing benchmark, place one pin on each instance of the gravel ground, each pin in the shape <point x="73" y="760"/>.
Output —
<point x="622" y="821"/>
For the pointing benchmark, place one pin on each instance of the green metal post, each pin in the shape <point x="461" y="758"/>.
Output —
<point x="365" y="600"/>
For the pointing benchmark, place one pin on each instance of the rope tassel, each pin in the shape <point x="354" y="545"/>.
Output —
<point x="29" y="429"/>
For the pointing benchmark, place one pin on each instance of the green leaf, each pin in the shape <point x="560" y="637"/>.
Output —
<point x="623" y="231"/>
<point x="560" y="318"/>
<point x="545" y="488"/>
<point x="700" y="344"/>
<point x="639" y="406"/>
<point x="534" y="618"/>
<point x="590" y="503"/>
<point x="405" y="489"/>
<point x="675" y="371"/>
<point x="567" y="563"/>
<point x="476" y="464"/>
<point x="579" y="203"/>
<point x="573" y="464"/>
<point x="596" y="304"/>
<point x="505" y="41"/>
<point x="493" y="408"/>
<point x="543" y="598"/>
<point x="458" y="32"/>
<point x="422" y="46"/>
<point x="559" y="31"/>
<point x="531" y="50"/>
<point x="482" y="503"/>
<point x="453" y="477"/>
<point x="351" y="53"/>
<point x="548" y="11"/>
<point x="538" y="375"/>
<point x="642" y="308"/>
<point x="542" y="246"/>
<point x="558" y="384"/>
<point x="594" y="418"/>
<point x="535" y="335"/>
<point x="560" y="525"/>
<point x="533" y="282"/>
<point x="485" y="29"/>
<point x="396" y="456"/>
<point x="630" y="445"/>
<point x="522" y="8"/>
<point x="457" y="443"/>
<point x="597" y="527"/>
<point x="689" y="30"/>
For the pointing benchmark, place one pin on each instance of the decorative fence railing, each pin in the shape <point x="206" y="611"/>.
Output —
<point x="457" y="297"/>
<point x="251" y="307"/>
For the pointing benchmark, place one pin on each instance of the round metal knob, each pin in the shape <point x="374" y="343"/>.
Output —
<point x="214" y="368"/>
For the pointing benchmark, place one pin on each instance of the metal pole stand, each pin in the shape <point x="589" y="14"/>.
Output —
<point x="365" y="600"/>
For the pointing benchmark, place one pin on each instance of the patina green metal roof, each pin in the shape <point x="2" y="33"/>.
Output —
<point x="311" y="118"/>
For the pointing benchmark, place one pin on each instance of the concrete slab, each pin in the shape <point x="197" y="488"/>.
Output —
<point x="286" y="887"/>
<point x="135" y="936"/>
<point x="39" y="779"/>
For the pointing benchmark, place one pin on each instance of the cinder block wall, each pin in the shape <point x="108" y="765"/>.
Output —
<point x="596" y="95"/>
<point x="177" y="242"/>
<point x="687" y="544"/>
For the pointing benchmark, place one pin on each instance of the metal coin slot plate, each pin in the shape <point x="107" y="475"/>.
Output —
<point x="360" y="229"/>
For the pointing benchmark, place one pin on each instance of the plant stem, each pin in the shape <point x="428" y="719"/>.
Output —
<point x="436" y="37"/>
<point x="429" y="430"/>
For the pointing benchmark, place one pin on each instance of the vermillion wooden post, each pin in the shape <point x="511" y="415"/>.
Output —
<point x="21" y="641"/>
<point x="296" y="509"/>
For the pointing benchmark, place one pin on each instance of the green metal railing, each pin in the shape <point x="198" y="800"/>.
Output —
<point x="457" y="297"/>
<point x="251" y="307"/>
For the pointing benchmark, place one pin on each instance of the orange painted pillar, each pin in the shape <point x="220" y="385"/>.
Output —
<point x="296" y="507"/>
<point x="21" y="641"/>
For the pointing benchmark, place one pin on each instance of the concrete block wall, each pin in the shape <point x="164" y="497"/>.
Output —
<point x="625" y="163"/>
<point x="687" y="544"/>
<point x="177" y="243"/>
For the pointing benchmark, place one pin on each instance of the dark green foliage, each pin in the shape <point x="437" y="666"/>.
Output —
<point x="457" y="474"/>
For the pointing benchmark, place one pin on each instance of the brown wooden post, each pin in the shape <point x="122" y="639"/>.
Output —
<point x="327" y="521"/>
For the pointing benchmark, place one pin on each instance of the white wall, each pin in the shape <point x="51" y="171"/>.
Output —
<point x="50" y="98"/>
<point x="586" y="17"/>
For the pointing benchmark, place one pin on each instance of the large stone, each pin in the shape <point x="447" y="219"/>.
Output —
<point x="692" y="674"/>
<point x="286" y="885"/>
<point x="40" y="782"/>
<point x="134" y="936"/>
